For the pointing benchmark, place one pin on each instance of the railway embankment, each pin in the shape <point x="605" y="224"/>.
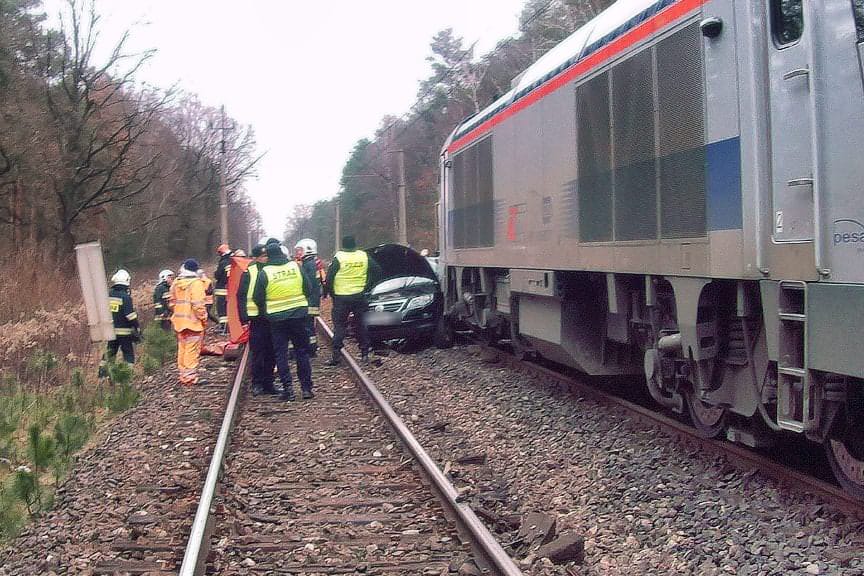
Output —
<point x="528" y="453"/>
<point x="128" y="502"/>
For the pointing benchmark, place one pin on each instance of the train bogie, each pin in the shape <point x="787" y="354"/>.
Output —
<point x="674" y="191"/>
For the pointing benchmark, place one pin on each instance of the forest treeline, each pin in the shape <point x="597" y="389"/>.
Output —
<point x="459" y="84"/>
<point x="87" y="152"/>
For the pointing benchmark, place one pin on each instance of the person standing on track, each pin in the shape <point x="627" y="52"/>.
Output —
<point x="223" y="273"/>
<point x="260" y="340"/>
<point x="348" y="279"/>
<point x="189" y="318"/>
<point x="281" y="292"/>
<point x="308" y="250"/>
<point x="126" y="326"/>
<point x="161" y="296"/>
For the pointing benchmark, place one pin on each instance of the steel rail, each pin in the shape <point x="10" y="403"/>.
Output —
<point x="738" y="455"/>
<point x="483" y="541"/>
<point x="193" y="559"/>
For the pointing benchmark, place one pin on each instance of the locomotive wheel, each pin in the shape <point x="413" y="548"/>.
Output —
<point x="846" y="458"/>
<point x="709" y="421"/>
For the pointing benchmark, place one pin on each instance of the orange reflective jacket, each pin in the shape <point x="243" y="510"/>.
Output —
<point x="187" y="303"/>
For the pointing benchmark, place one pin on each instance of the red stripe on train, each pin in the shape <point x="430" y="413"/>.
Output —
<point x="651" y="26"/>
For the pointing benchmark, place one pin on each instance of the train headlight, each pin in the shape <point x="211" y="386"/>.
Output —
<point x="419" y="302"/>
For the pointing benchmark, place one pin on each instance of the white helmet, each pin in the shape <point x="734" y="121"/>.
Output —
<point x="121" y="277"/>
<point x="165" y="274"/>
<point x="308" y="246"/>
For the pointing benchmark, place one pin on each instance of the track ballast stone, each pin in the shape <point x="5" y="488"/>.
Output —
<point x="643" y="504"/>
<point x="128" y="504"/>
<point x="323" y="487"/>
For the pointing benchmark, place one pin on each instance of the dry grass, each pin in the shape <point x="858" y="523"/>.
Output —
<point x="29" y="283"/>
<point x="48" y="378"/>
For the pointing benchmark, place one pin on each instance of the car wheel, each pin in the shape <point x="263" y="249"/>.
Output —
<point x="444" y="335"/>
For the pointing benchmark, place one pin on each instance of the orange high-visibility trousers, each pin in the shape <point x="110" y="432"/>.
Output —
<point x="188" y="353"/>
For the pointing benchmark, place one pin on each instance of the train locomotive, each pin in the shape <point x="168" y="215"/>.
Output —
<point x="675" y="191"/>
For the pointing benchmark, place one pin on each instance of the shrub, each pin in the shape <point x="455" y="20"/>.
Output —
<point x="25" y="487"/>
<point x="71" y="433"/>
<point x="78" y="378"/>
<point x="120" y="373"/>
<point x="149" y="365"/>
<point x="159" y="344"/>
<point x="11" y="516"/>
<point x="122" y="398"/>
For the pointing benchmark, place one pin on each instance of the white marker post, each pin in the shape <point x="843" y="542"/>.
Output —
<point x="94" y="288"/>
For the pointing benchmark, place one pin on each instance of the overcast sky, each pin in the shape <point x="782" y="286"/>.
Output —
<point x="312" y="78"/>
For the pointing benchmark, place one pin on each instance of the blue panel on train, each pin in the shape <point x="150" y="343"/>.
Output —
<point x="723" y="170"/>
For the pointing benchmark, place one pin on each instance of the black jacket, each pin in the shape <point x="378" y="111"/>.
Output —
<point x="223" y="270"/>
<point x="161" y="295"/>
<point x="310" y="270"/>
<point x="122" y="311"/>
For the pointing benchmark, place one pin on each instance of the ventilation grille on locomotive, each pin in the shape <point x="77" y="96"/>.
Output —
<point x="472" y="216"/>
<point x="635" y="176"/>
<point x="640" y="138"/>
<point x="594" y="155"/>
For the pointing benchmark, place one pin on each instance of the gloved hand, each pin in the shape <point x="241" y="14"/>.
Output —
<point x="136" y="334"/>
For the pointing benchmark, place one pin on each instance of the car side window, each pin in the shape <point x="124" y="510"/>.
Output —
<point x="787" y="20"/>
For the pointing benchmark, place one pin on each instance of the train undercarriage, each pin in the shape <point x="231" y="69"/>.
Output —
<point x="731" y="355"/>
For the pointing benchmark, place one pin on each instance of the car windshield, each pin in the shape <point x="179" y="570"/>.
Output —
<point x="401" y="283"/>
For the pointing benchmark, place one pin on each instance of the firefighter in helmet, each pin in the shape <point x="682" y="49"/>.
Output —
<point x="126" y="325"/>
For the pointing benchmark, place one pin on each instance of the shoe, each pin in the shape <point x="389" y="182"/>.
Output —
<point x="257" y="390"/>
<point x="202" y="382"/>
<point x="334" y="361"/>
<point x="364" y="357"/>
<point x="287" y="394"/>
<point x="270" y="390"/>
<point x="307" y="394"/>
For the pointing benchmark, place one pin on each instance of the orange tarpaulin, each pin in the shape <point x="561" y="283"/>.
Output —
<point x="238" y="332"/>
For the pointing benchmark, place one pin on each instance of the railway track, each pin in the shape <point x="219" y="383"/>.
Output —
<point x="337" y="485"/>
<point x="739" y="456"/>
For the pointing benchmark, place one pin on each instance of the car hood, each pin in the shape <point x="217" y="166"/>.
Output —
<point x="396" y="260"/>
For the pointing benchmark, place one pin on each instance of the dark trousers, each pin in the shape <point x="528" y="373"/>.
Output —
<point x="312" y="334"/>
<point x="292" y="330"/>
<point x="342" y="307"/>
<point x="263" y="360"/>
<point x="166" y="325"/>
<point x="124" y="343"/>
<point x="222" y="310"/>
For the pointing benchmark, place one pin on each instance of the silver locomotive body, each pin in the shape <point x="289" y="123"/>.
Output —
<point x="675" y="190"/>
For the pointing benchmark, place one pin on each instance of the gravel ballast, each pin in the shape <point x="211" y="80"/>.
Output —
<point x="643" y="504"/>
<point x="128" y="504"/>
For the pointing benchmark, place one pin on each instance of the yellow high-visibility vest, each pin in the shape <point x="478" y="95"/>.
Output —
<point x="284" y="288"/>
<point x="251" y="307"/>
<point x="353" y="269"/>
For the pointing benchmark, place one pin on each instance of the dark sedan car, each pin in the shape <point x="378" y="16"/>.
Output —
<point x="406" y="303"/>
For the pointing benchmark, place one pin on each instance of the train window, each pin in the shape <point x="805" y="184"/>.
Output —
<point x="858" y="10"/>
<point x="787" y="20"/>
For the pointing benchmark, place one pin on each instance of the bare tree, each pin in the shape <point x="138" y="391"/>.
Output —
<point x="99" y="118"/>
